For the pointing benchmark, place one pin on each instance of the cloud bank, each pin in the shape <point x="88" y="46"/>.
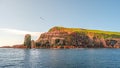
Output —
<point x="9" y="37"/>
<point x="20" y="32"/>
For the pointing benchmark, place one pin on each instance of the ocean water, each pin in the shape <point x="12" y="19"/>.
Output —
<point x="60" y="58"/>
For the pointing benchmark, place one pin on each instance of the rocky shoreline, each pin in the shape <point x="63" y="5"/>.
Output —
<point x="54" y="47"/>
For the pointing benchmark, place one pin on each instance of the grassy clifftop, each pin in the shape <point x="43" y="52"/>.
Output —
<point x="99" y="33"/>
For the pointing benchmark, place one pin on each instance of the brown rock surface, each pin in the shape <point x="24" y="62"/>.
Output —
<point x="60" y="37"/>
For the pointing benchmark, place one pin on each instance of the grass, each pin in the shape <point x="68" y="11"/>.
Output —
<point x="105" y="34"/>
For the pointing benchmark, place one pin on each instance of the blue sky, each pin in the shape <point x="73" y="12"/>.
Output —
<point x="40" y="15"/>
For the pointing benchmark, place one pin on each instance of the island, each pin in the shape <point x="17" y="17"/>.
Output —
<point x="62" y="37"/>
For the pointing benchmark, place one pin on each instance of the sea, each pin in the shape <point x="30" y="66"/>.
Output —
<point x="60" y="58"/>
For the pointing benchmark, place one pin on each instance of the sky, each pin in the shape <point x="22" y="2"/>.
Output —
<point x="20" y="17"/>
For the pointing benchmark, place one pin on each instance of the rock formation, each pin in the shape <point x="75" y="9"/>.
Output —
<point x="61" y="37"/>
<point x="33" y="44"/>
<point x="27" y="41"/>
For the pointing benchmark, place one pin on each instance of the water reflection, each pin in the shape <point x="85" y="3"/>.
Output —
<point x="32" y="58"/>
<point x="27" y="55"/>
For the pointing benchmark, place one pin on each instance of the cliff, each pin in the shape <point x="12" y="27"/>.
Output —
<point x="61" y="37"/>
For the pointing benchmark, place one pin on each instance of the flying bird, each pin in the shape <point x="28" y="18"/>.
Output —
<point x="42" y="18"/>
<point x="43" y="21"/>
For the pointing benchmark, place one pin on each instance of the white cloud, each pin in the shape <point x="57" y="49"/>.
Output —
<point x="20" y="32"/>
<point x="13" y="36"/>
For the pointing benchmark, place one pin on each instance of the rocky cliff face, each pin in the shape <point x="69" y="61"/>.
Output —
<point x="76" y="38"/>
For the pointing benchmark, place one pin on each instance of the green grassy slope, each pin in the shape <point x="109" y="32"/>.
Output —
<point x="99" y="33"/>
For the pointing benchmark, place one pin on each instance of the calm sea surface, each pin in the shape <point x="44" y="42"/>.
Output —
<point x="59" y="58"/>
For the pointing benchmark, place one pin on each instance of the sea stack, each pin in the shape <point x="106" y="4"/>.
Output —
<point x="27" y="41"/>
